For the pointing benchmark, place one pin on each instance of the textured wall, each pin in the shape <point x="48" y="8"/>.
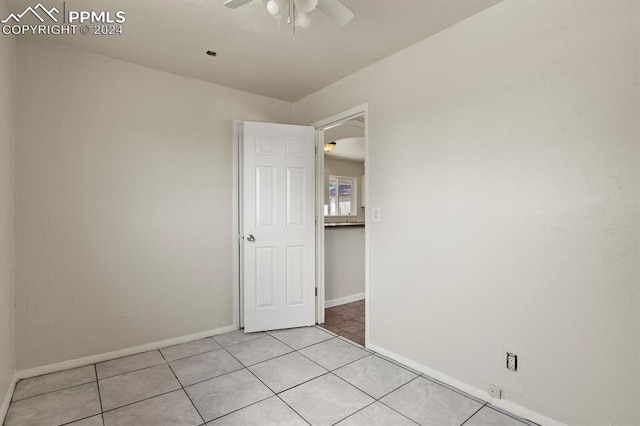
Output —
<point x="505" y="158"/>
<point x="344" y="262"/>
<point x="7" y="208"/>
<point x="124" y="183"/>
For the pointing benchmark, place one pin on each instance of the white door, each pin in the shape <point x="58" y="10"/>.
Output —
<point x="278" y="226"/>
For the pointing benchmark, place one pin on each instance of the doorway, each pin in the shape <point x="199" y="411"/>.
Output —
<point x="342" y="232"/>
<point x="238" y="234"/>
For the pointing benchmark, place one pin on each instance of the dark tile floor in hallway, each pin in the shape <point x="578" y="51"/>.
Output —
<point x="346" y="321"/>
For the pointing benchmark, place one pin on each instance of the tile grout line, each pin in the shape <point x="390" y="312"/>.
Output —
<point x="451" y="388"/>
<point x="396" y="411"/>
<point x="380" y="402"/>
<point x="264" y="384"/>
<point x="393" y="409"/>
<point x="81" y="419"/>
<point x="57" y="390"/>
<point x="183" y="389"/>
<point x="99" y="400"/>
<point x="354" y="413"/>
<point x="240" y="343"/>
<point x="210" y="378"/>
<point x="474" y="413"/>
<point x="312" y="344"/>
<point x="132" y="371"/>
<point x="192" y="355"/>
<point x="142" y="400"/>
<point x="331" y="335"/>
<point x="163" y="357"/>
<point x="378" y="399"/>
<point x="190" y="384"/>
<point x="302" y="383"/>
<point x="330" y="370"/>
<point x="409" y="369"/>
<point x="354" y="386"/>
<point x="269" y="359"/>
<point x="513" y="416"/>
<point x="135" y="371"/>
<point x="327" y="371"/>
<point x="356" y="344"/>
<point x="95" y="369"/>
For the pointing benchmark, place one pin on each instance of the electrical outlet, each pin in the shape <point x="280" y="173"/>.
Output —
<point x="512" y="361"/>
<point x="495" y="391"/>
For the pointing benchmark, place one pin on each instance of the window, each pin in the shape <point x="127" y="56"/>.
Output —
<point x="342" y="197"/>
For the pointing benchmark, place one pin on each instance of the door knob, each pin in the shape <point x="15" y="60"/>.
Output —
<point x="251" y="238"/>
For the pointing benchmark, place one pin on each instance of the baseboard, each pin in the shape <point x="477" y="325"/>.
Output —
<point x="4" y="408"/>
<point x="503" y="404"/>
<point x="343" y="300"/>
<point x="93" y="359"/>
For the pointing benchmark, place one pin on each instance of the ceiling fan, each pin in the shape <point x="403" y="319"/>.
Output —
<point x="295" y="13"/>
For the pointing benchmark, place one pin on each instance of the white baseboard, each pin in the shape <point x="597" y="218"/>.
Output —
<point x="503" y="404"/>
<point x="4" y="408"/>
<point x="93" y="359"/>
<point x="343" y="300"/>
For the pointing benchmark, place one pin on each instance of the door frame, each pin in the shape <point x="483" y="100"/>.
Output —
<point x="237" y="232"/>
<point x="321" y="126"/>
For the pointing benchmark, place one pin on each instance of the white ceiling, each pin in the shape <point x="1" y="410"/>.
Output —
<point x="349" y="139"/>
<point x="351" y="149"/>
<point x="253" y="56"/>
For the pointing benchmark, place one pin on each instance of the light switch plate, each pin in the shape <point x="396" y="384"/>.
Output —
<point x="375" y="214"/>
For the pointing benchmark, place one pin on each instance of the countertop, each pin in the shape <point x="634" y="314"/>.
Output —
<point x="342" y="224"/>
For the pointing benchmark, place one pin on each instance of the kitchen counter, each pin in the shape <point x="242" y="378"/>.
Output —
<point x="341" y="224"/>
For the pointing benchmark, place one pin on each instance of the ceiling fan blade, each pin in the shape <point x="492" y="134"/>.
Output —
<point x="336" y="11"/>
<point x="286" y="18"/>
<point x="234" y="4"/>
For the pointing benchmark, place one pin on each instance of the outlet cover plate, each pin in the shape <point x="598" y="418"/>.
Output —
<point x="512" y="361"/>
<point x="495" y="391"/>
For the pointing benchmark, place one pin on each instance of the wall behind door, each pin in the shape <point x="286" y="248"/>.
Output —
<point x="125" y="202"/>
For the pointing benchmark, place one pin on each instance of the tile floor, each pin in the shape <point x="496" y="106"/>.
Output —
<point x="346" y="320"/>
<point x="286" y="377"/>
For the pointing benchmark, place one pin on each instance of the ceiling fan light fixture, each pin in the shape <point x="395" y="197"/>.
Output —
<point x="328" y="147"/>
<point x="296" y="13"/>
<point x="273" y="7"/>
<point x="303" y="20"/>
<point x="306" y="6"/>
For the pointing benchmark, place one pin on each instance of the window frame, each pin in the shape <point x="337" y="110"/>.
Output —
<point x="354" y="195"/>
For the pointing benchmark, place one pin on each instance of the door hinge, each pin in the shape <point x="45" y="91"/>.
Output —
<point x="316" y="291"/>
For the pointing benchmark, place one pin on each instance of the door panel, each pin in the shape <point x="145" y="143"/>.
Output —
<point x="278" y="264"/>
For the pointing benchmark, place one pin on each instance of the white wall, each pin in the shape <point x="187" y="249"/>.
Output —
<point x="7" y="207"/>
<point x="512" y="141"/>
<point x="344" y="262"/>
<point x="124" y="194"/>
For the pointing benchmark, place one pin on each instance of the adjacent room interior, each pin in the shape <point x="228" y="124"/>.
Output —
<point x="344" y="236"/>
<point x="481" y="241"/>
